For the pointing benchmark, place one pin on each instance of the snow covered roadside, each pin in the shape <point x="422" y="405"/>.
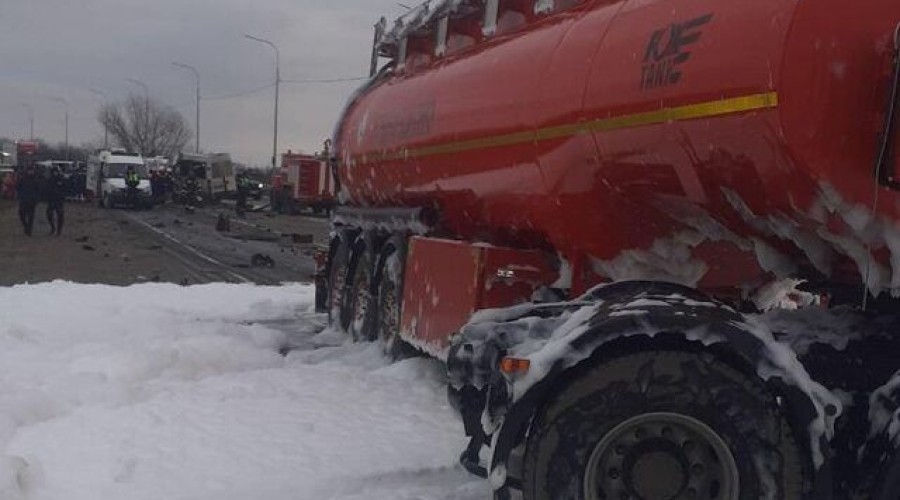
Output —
<point x="166" y="392"/>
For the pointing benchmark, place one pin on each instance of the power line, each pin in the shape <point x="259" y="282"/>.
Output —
<point x="270" y="85"/>
<point x="328" y="80"/>
<point x="240" y="94"/>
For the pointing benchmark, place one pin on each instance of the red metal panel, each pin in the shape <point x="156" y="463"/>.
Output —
<point x="440" y="292"/>
<point x="446" y="281"/>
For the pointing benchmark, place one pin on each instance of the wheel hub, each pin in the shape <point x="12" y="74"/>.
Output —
<point x="661" y="456"/>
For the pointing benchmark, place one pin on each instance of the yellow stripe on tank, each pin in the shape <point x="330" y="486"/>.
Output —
<point x="708" y="109"/>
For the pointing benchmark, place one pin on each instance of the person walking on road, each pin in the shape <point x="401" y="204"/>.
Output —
<point x="132" y="181"/>
<point x="28" y="191"/>
<point x="243" y="189"/>
<point x="55" y="192"/>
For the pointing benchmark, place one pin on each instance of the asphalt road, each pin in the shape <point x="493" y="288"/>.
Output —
<point x="166" y="244"/>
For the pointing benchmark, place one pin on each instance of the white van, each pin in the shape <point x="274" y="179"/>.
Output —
<point x="214" y="173"/>
<point x="106" y="178"/>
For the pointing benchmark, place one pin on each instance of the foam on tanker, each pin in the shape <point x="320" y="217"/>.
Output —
<point x="547" y="344"/>
<point x="668" y="259"/>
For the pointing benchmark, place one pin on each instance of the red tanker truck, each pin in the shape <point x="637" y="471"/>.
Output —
<point x="572" y="202"/>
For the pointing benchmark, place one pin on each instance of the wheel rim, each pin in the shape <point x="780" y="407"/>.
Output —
<point x="661" y="456"/>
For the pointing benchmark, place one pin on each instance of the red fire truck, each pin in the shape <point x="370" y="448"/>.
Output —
<point x="303" y="181"/>
<point x="25" y="153"/>
<point x="571" y="202"/>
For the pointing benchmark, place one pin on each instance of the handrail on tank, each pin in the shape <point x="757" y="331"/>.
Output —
<point x="886" y="174"/>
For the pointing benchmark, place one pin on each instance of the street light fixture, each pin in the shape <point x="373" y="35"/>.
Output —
<point x="66" y="104"/>
<point x="105" y="125"/>
<point x="277" y="83"/>
<point x="143" y="85"/>
<point x="30" y="118"/>
<point x="197" y="76"/>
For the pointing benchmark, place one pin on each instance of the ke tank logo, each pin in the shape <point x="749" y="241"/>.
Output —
<point x="668" y="50"/>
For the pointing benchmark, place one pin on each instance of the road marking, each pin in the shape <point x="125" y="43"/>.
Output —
<point x="190" y="249"/>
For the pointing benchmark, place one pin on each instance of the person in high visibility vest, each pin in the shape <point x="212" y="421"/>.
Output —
<point x="132" y="181"/>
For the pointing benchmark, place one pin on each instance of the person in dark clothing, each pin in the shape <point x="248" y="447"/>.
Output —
<point x="155" y="187"/>
<point x="28" y="191"/>
<point x="55" y="191"/>
<point x="243" y="189"/>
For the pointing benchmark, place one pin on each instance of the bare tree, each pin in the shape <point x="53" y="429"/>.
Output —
<point x="146" y="126"/>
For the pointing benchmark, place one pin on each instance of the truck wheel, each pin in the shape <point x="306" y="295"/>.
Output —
<point x="338" y="268"/>
<point x="359" y="303"/>
<point x="389" y="299"/>
<point x="663" y="425"/>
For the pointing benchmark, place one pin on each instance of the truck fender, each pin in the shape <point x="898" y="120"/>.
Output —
<point x="679" y="318"/>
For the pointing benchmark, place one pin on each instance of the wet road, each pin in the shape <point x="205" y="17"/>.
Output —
<point x="166" y="244"/>
<point x="246" y="250"/>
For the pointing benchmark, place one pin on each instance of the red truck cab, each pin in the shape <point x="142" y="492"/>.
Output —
<point x="303" y="181"/>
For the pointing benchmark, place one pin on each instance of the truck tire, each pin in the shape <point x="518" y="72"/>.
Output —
<point x="339" y="267"/>
<point x="663" y="425"/>
<point x="389" y="299"/>
<point x="359" y="302"/>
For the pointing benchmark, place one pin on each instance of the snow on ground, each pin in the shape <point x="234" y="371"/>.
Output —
<point x="165" y="392"/>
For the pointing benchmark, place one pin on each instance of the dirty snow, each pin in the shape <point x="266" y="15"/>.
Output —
<point x="166" y="392"/>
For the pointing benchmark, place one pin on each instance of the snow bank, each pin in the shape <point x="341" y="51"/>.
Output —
<point x="160" y="391"/>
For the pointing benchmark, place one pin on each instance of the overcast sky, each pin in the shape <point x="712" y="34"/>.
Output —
<point x="63" y="48"/>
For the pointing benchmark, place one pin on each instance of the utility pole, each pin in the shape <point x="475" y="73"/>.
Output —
<point x="197" y="76"/>
<point x="277" y="83"/>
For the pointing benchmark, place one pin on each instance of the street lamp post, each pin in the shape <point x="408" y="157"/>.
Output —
<point x="66" y="104"/>
<point x="105" y="125"/>
<point x="197" y="77"/>
<point x="277" y="83"/>
<point x="30" y="119"/>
